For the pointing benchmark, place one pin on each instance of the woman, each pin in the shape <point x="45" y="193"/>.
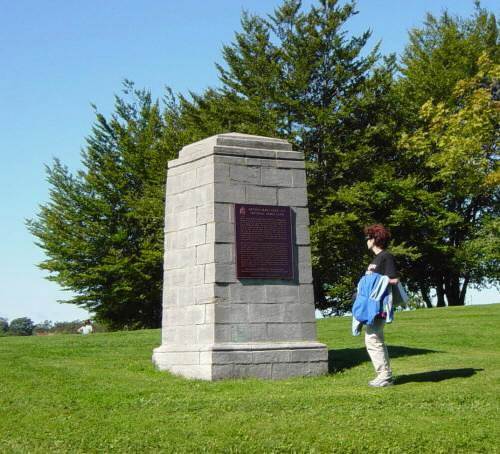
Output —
<point x="377" y="240"/>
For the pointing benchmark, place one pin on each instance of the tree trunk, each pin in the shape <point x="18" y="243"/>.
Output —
<point x="425" y="292"/>
<point x="463" y="292"/>
<point x="440" y="292"/>
<point x="452" y="290"/>
<point x="440" y="296"/>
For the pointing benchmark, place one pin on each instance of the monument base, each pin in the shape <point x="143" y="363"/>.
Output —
<point x="240" y="360"/>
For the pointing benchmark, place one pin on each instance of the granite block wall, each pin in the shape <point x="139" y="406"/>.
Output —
<point x="219" y="322"/>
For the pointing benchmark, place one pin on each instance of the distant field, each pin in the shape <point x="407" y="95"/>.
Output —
<point x="100" y="393"/>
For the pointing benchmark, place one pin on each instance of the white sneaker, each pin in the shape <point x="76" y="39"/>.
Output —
<point x="381" y="382"/>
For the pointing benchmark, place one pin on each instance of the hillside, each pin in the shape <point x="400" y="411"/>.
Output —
<point x="101" y="393"/>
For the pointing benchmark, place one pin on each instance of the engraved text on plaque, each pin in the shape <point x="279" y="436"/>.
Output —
<point x="263" y="242"/>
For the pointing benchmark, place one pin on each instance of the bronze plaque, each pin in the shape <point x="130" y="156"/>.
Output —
<point x="263" y="242"/>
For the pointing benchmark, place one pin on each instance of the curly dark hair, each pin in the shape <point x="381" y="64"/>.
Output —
<point x="379" y="233"/>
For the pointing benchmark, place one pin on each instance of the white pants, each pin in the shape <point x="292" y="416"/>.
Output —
<point x="374" y="341"/>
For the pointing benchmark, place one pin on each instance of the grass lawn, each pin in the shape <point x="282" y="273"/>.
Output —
<point x="100" y="393"/>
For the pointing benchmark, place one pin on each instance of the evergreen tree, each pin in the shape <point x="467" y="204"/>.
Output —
<point x="299" y="76"/>
<point x="102" y="230"/>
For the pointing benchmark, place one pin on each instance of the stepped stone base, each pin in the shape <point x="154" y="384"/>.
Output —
<point x="236" y="360"/>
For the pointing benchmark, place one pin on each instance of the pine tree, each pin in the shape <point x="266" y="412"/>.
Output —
<point x="299" y="76"/>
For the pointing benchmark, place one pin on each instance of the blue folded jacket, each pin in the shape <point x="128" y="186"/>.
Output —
<point x="373" y="297"/>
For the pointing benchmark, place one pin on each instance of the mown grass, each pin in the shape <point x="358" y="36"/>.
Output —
<point x="100" y="393"/>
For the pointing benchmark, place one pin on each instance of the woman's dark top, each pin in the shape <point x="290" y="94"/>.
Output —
<point x="384" y="263"/>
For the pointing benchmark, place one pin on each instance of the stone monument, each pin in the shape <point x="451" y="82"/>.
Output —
<point x="238" y="296"/>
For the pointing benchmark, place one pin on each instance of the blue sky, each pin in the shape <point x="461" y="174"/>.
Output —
<point x="57" y="57"/>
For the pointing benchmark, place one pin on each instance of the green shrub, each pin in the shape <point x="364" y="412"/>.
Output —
<point x="43" y="328"/>
<point x="4" y="325"/>
<point x="22" y="326"/>
<point x="66" y="327"/>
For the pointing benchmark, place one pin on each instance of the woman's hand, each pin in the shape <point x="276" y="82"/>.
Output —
<point x="394" y="281"/>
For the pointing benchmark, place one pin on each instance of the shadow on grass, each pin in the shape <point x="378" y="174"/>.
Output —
<point x="347" y="358"/>
<point x="436" y="375"/>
